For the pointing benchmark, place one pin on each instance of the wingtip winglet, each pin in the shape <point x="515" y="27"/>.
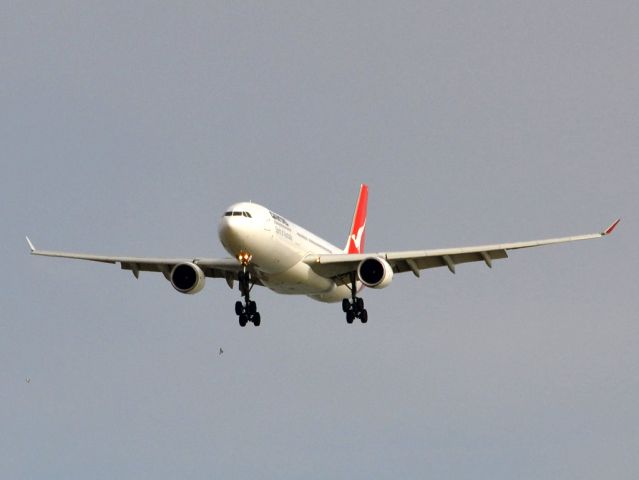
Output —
<point x="30" y="245"/>
<point x="609" y="230"/>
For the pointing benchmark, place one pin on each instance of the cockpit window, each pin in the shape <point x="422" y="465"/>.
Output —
<point x="237" y="214"/>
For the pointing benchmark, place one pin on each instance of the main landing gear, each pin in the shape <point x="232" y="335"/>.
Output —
<point x="247" y="311"/>
<point x="354" y="308"/>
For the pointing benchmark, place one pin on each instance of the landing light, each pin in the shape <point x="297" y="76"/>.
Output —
<point x="244" y="257"/>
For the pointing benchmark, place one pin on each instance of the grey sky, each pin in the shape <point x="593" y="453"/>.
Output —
<point x="128" y="130"/>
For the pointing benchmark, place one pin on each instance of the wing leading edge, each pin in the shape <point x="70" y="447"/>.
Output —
<point x="340" y="266"/>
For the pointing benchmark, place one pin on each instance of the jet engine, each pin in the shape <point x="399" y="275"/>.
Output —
<point x="375" y="272"/>
<point x="187" y="278"/>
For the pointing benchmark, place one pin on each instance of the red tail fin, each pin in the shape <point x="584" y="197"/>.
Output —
<point x="355" y="242"/>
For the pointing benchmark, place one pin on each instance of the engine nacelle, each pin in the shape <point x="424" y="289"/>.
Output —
<point x="375" y="272"/>
<point x="187" y="278"/>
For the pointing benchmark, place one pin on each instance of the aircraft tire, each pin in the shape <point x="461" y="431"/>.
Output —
<point x="252" y="308"/>
<point x="346" y="305"/>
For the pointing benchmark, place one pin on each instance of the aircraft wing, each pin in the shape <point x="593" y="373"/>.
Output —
<point x="212" y="267"/>
<point x="341" y="266"/>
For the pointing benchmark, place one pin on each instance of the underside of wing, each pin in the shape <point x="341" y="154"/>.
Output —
<point x="341" y="266"/>
<point x="226" y="268"/>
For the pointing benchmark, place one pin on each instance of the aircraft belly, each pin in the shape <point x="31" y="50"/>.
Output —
<point x="335" y="295"/>
<point x="300" y="279"/>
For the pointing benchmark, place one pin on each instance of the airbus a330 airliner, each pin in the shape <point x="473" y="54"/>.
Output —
<point x="271" y="251"/>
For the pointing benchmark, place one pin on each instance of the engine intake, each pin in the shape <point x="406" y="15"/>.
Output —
<point x="375" y="272"/>
<point x="187" y="278"/>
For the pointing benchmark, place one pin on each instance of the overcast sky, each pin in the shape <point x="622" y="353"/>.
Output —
<point x="129" y="129"/>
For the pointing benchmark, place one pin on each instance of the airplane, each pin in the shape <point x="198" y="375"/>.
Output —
<point x="271" y="251"/>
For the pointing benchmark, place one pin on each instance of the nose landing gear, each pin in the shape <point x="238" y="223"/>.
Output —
<point x="247" y="311"/>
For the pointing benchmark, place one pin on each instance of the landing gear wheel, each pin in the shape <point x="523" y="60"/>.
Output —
<point x="354" y="307"/>
<point x="346" y="305"/>
<point x="251" y="308"/>
<point x="257" y="319"/>
<point x="243" y="320"/>
<point x="239" y="308"/>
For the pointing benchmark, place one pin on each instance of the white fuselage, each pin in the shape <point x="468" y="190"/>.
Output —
<point x="278" y="248"/>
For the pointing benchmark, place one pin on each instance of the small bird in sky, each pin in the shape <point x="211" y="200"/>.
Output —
<point x="28" y="379"/>
<point x="221" y="351"/>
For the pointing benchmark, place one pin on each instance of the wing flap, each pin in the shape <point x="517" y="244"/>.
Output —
<point x="427" y="260"/>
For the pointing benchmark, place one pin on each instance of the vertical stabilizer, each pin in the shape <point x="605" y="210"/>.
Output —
<point x="357" y="235"/>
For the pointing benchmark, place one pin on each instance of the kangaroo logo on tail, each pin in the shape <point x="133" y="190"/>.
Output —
<point x="357" y="239"/>
<point x="355" y="243"/>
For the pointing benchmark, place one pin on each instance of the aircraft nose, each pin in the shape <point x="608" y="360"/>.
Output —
<point x="226" y="230"/>
<point x="234" y="232"/>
